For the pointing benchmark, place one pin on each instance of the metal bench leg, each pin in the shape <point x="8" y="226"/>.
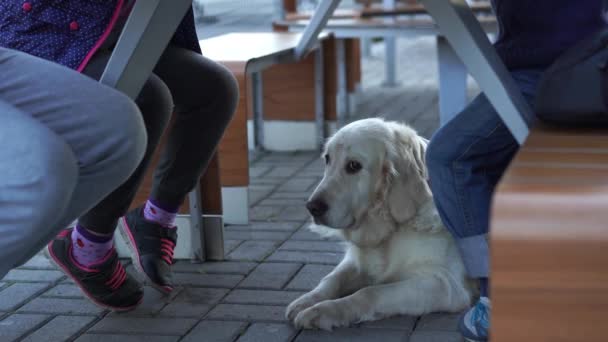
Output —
<point x="452" y="81"/>
<point x="258" y="108"/>
<point x="196" y="223"/>
<point x="390" y="50"/>
<point x="390" y="60"/>
<point x="458" y="24"/>
<point x="319" y="97"/>
<point x="323" y="12"/>
<point x="342" y="104"/>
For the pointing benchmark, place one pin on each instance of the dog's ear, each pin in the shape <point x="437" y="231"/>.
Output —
<point x="418" y="152"/>
<point x="408" y="187"/>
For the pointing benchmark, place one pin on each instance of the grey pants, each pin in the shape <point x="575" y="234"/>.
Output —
<point x="66" y="142"/>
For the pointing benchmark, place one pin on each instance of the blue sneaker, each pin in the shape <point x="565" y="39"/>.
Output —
<point x="475" y="323"/>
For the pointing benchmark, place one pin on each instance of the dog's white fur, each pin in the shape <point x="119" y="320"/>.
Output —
<point x="399" y="257"/>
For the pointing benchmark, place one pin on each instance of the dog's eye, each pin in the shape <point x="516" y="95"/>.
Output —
<point x="353" y="167"/>
<point x="327" y="159"/>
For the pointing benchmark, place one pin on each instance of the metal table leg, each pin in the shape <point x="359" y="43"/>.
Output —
<point x="319" y="97"/>
<point x="452" y="82"/>
<point x="258" y="108"/>
<point x="342" y="98"/>
<point x="458" y="24"/>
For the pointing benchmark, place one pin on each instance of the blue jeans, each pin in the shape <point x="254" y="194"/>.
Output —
<point x="466" y="158"/>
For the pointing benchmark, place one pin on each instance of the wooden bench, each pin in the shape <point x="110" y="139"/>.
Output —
<point x="247" y="55"/>
<point x="549" y="239"/>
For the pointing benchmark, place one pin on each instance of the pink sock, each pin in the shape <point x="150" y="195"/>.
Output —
<point x="163" y="216"/>
<point x="89" y="249"/>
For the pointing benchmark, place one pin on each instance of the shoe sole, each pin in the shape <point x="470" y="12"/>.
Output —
<point x="129" y="240"/>
<point x="54" y="260"/>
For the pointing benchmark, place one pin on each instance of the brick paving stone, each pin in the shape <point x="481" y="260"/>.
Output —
<point x="353" y="335"/>
<point x="61" y="306"/>
<point x="305" y="234"/>
<point x="215" y="331"/>
<point x="328" y="258"/>
<point x="248" y="234"/>
<point x="17" y="294"/>
<point x="313" y="246"/>
<point x="33" y="275"/>
<point x="125" y="338"/>
<point x="253" y="250"/>
<point x="438" y="322"/>
<point x="64" y="291"/>
<point x="397" y="323"/>
<point x="309" y="277"/>
<point x="257" y="171"/>
<point x="151" y="304"/>
<point x="193" y="302"/>
<point x="270" y="276"/>
<point x="152" y="326"/>
<point x="214" y="267"/>
<point x="268" y="332"/>
<point x="38" y="262"/>
<point x="15" y="326"/>
<point x="274" y="226"/>
<point x="436" y="336"/>
<point x="298" y="184"/>
<point x="283" y="201"/>
<point x="230" y="245"/>
<point x="280" y="194"/>
<point x="239" y="312"/>
<point x="207" y="280"/>
<point x="264" y="213"/>
<point x="60" y="328"/>
<point x="282" y="171"/>
<point x="258" y="195"/>
<point x="294" y="213"/>
<point x="271" y="297"/>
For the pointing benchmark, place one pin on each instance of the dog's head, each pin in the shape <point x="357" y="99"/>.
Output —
<point x="373" y="167"/>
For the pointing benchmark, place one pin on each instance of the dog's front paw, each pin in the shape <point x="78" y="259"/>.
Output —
<point x="302" y="303"/>
<point x="325" y="315"/>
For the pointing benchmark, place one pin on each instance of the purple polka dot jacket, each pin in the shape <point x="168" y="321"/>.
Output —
<point x="69" y="32"/>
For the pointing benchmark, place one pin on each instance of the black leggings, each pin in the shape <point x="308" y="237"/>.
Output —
<point x="205" y="95"/>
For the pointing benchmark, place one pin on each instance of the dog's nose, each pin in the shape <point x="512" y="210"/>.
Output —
<point x="317" y="208"/>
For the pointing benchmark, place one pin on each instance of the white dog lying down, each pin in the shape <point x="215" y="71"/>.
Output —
<point x="399" y="257"/>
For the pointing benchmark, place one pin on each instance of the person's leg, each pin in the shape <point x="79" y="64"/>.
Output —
<point x="466" y="159"/>
<point x="91" y="262"/>
<point x="38" y="174"/>
<point x="72" y="121"/>
<point x="205" y="95"/>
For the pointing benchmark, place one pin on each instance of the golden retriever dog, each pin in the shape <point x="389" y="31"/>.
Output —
<point x="399" y="257"/>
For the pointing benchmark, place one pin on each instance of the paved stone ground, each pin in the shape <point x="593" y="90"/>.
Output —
<point x="269" y="262"/>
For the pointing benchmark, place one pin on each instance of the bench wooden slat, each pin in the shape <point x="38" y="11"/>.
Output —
<point x="549" y="239"/>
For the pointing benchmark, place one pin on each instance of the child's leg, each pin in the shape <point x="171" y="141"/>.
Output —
<point x="91" y="261"/>
<point x="205" y="96"/>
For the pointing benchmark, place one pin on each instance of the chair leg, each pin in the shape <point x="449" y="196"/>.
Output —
<point x="196" y="223"/>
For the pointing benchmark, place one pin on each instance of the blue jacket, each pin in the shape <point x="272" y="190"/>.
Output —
<point x="69" y="32"/>
<point x="533" y="33"/>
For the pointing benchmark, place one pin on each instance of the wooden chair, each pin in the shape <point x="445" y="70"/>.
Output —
<point x="247" y="55"/>
<point x="549" y="239"/>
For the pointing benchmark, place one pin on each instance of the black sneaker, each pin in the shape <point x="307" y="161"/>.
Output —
<point x="151" y="248"/>
<point x="107" y="284"/>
